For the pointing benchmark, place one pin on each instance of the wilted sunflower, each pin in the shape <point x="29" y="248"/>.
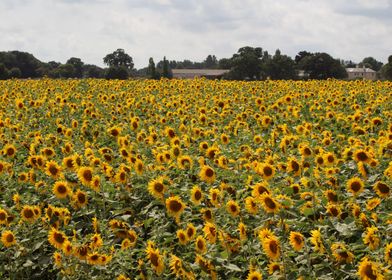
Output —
<point x="341" y="254"/>
<point x="175" y="206"/>
<point x="207" y="174"/>
<point x="270" y="205"/>
<point x="61" y="189"/>
<point x="8" y="238"/>
<point x="271" y="247"/>
<point x="196" y="195"/>
<point x="297" y="240"/>
<point x="355" y="186"/>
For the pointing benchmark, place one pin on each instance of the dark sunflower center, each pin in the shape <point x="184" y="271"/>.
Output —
<point x="197" y="195"/>
<point x="154" y="259"/>
<point x="267" y="171"/>
<point x="87" y="175"/>
<point x="355" y="186"/>
<point x="158" y="187"/>
<point x="28" y="213"/>
<point x="209" y="172"/>
<point x="270" y="203"/>
<point x="362" y="156"/>
<point x="59" y="238"/>
<point x="273" y="246"/>
<point x="175" y="206"/>
<point x="369" y="272"/>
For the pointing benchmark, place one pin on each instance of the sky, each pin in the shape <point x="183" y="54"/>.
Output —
<point x="55" y="30"/>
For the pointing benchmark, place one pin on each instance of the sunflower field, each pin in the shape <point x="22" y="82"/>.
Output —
<point x="195" y="179"/>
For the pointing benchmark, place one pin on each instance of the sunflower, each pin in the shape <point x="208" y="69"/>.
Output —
<point x="190" y="231"/>
<point x="9" y="150"/>
<point x="80" y="199"/>
<point x="139" y="167"/>
<point x="382" y="189"/>
<point x="200" y="245"/>
<point x="341" y="254"/>
<point x="175" y="206"/>
<point x="242" y="231"/>
<point x="254" y="275"/>
<point x="196" y="195"/>
<point x="67" y="248"/>
<point x="294" y="166"/>
<point x="316" y="240"/>
<point x="266" y="170"/>
<point x="331" y="196"/>
<point x="271" y="247"/>
<point x="58" y="259"/>
<point x="251" y="205"/>
<point x="157" y="188"/>
<point x="371" y="238"/>
<point x="372" y="203"/>
<point x="355" y="185"/>
<point x="369" y="270"/>
<point x="182" y="236"/>
<point x="3" y="217"/>
<point x="388" y="253"/>
<point x="274" y="267"/>
<point x="57" y="238"/>
<point x="210" y="232"/>
<point x="233" y="208"/>
<point x="264" y="234"/>
<point x="361" y="156"/>
<point x="215" y="195"/>
<point x="270" y="205"/>
<point x="333" y="209"/>
<point x="28" y="214"/>
<point x="85" y="175"/>
<point x="176" y="266"/>
<point x="93" y="258"/>
<point x="184" y="162"/>
<point x="207" y="214"/>
<point x="207" y="174"/>
<point x="53" y="169"/>
<point x="259" y="189"/>
<point x="297" y="240"/>
<point x="8" y="238"/>
<point x="155" y="259"/>
<point x="61" y="189"/>
<point x="305" y="150"/>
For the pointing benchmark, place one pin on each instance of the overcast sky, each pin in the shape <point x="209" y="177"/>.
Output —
<point x="192" y="29"/>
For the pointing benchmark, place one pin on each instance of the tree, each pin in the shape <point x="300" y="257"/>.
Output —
<point x="166" y="71"/>
<point x="119" y="58"/>
<point x="371" y="63"/>
<point x="224" y="63"/>
<point x="66" y="71"/>
<point x="3" y="72"/>
<point x="301" y="55"/>
<point x="26" y="62"/>
<point x="78" y="66"/>
<point x="151" y="70"/>
<point x="386" y="70"/>
<point x="280" y="67"/>
<point x="322" y="66"/>
<point x="117" y="72"/>
<point x="15" y="72"/>
<point x="93" y="71"/>
<point x="211" y="62"/>
<point x="246" y="64"/>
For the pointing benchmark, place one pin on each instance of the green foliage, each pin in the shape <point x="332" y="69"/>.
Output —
<point x="322" y="66"/>
<point x="280" y="67"/>
<point x="119" y="58"/>
<point x="117" y="72"/>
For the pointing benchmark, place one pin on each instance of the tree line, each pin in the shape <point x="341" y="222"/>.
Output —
<point x="248" y="63"/>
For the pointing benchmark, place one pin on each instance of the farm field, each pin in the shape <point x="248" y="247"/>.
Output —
<point x="195" y="179"/>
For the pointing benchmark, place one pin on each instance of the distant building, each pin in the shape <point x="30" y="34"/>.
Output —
<point x="199" y="73"/>
<point x="361" y="73"/>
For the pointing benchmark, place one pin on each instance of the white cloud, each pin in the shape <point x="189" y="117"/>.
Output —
<point x="59" y="29"/>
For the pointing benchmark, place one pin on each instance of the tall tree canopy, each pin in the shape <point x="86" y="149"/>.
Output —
<point x="119" y="58"/>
